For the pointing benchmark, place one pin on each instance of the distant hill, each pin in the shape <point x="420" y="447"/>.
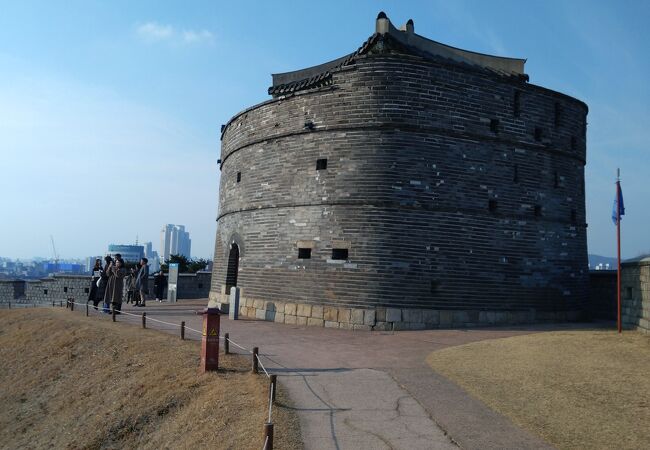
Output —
<point x="595" y="260"/>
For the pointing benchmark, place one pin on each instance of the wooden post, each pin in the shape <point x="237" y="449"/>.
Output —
<point x="52" y="303"/>
<point x="226" y="343"/>
<point x="87" y="309"/>
<point x="144" y="320"/>
<point x="268" y="436"/>
<point x="255" y="362"/>
<point x="72" y="304"/>
<point x="67" y="303"/>
<point x="10" y="304"/>
<point x="183" y="330"/>
<point x="113" y="314"/>
<point x="273" y="387"/>
<point x="61" y="304"/>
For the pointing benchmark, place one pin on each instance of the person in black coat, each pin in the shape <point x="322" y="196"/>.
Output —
<point x="159" y="285"/>
<point x="101" y="288"/>
<point x="97" y="275"/>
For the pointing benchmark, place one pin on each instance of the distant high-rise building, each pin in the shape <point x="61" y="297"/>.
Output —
<point x="174" y="240"/>
<point x="152" y="256"/>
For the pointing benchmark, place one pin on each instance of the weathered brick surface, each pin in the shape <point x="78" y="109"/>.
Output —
<point x="635" y="295"/>
<point x="412" y="165"/>
<point x="60" y="287"/>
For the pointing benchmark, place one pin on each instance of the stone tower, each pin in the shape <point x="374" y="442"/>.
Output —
<point x="409" y="184"/>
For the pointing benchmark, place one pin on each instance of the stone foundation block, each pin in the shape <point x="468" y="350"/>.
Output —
<point x="303" y="310"/>
<point x="446" y="318"/>
<point x="279" y="317"/>
<point x="346" y="326"/>
<point x="344" y="315"/>
<point x="330" y="314"/>
<point x="312" y="322"/>
<point x="460" y="317"/>
<point x="258" y="304"/>
<point x="412" y="315"/>
<point x="393" y="315"/>
<point x="380" y="315"/>
<point x="430" y="316"/>
<point x="356" y="316"/>
<point x="317" y="312"/>
<point x="291" y="320"/>
<point x="382" y="326"/>
<point x="369" y="317"/>
<point x="362" y="327"/>
<point x="330" y="324"/>
<point x="260" y="314"/>
<point x="290" y="309"/>
<point x="301" y="321"/>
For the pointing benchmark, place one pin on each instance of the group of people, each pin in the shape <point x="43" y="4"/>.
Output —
<point x="108" y="283"/>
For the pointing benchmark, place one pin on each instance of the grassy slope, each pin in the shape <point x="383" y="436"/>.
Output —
<point x="577" y="390"/>
<point x="68" y="381"/>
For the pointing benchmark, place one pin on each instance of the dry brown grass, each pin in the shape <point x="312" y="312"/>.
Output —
<point x="67" y="381"/>
<point x="576" y="389"/>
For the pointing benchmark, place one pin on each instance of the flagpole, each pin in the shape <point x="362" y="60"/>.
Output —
<point x="618" y="241"/>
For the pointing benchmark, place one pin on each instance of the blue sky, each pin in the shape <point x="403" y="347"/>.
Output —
<point x="110" y="111"/>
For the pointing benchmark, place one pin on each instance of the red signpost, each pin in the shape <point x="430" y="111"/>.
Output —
<point x="210" y="340"/>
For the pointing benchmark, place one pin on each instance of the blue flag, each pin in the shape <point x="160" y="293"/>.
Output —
<point x="619" y="207"/>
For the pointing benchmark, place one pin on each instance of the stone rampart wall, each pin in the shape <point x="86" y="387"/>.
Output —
<point x="60" y="287"/>
<point x="635" y="295"/>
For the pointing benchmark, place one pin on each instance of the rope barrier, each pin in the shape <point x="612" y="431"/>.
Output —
<point x="239" y="346"/>
<point x="268" y="442"/>
<point x="263" y="368"/>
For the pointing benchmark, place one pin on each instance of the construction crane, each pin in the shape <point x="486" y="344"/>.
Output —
<point x="56" y="257"/>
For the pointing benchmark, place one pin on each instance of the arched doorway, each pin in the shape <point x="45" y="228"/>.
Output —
<point x="233" y="267"/>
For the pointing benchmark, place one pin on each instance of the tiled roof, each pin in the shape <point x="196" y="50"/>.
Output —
<point x="319" y="76"/>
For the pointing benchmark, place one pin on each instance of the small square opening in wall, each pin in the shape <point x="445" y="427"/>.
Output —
<point x="538" y="134"/>
<point x="321" y="164"/>
<point x="492" y="205"/>
<point x="200" y="285"/>
<point x="628" y="293"/>
<point x="86" y="290"/>
<point x="538" y="210"/>
<point x="65" y="288"/>
<point x="238" y="177"/>
<point x="44" y="291"/>
<point x="304" y="253"/>
<point x="515" y="175"/>
<point x="434" y="286"/>
<point x="340" y="253"/>
<point x="494" y="126"/>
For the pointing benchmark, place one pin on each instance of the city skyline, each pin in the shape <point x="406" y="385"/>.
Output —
<point x="92" y="95"/>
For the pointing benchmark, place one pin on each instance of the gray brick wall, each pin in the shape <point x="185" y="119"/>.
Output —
<point x="60" y="287"/>
<point x="412" y="165"/>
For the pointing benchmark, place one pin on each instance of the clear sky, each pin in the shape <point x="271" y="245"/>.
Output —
<point x="110" y="111"/>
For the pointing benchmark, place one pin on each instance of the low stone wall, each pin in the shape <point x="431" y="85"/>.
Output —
<point x="602" y="294"/>
<point x="635" y="295"/>
<point x="59" y="287"/>
<point x="384" y="319"/>
<point x="11" y="289"/>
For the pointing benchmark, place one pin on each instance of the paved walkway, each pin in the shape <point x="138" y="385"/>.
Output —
<point x="370" y="390"/>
